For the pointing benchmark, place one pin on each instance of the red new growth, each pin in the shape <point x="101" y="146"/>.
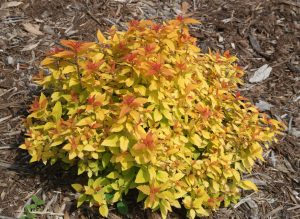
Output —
<point x="148" y="141"/>
<point x="153" y="191"/>
<point x="55" y="50"/>
<point x="155" y="67"/>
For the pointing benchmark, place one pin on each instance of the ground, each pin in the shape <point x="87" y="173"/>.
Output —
<point x="258" y="32"/>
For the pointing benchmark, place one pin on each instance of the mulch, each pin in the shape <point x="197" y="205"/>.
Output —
<point x="258" y="32"/>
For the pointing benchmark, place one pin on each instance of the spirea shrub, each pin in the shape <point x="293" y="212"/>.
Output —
<point x="144" y="109"/>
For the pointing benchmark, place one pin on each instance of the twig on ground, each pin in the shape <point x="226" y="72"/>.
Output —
<point x="8" y="147"/>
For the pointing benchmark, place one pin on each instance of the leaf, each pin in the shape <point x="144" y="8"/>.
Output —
<point x="111" y="141"/>
<point x="144" y="189"/>
<point x="89" y="147"/>
<point x="122" y="207"/>
<point x="82" y="198"/>
<point x="248" y="185"/>
<point x="162" y="176"/>
<point x="124" y="143"/>
<point x="261" y="74"/>
<point x="140" y="89"/>
<point x="37" y="201"/>
<point x="170" y="44"/>
<point x="99" y="197"/>
<point x="205" y="134"/>
<point x="196" y="140"/>
<point x="142" y="176"/>
<point x="69" y="69"/>
<point x="112" y="175"/>
<point x="47" y="61"/>
<point x="157" y="115"/>
<point x="77" y="187"/>
<point x="84" y="121"/>
<point x="57" y="111"/>
<point x="103" y="210"/>
<point x="32" y="28"/>
<point x="30" y="46"/>
<point x="105" y="159"/>
<point x="10" y="4"/>
<point x="201" y="211"/>
<point x="100" y="37"/>
<point x="117" y="128"/>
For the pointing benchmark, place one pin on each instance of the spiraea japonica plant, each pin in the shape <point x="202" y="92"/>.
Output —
<point x="144" y="109"/>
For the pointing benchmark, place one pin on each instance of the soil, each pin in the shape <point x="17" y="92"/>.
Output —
<point x="258" y="32"/>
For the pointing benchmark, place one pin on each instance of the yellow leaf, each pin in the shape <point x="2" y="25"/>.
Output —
<point x="162" y="176"/>
<point x="167" y="114"/>
<point x="248" y="185"/>
<point x="68" y="69"/>
<point x="117" y="128"/>
<point x="72" y="155"/>
<point x="140" y="89"/>
<point x="95" y="155"/>
<point x="144" y="189"/>
<point x="124" y="143"/>
<point x="196" y="140"/>
<point x="201" y="211"/>
<point x="129" y="82"/>
<point x="170" y="44"/>
<point x="100" y="37"/>
<point x="112" y="175"/>
<point x="77" y="187"/>
<point x="191" y="21"/>
<point x="57" y="111"/>
<point x="111" y="141"/>
<point x="73" y="82"/>
<point x="99" y="198"/>
<point x="215" y="186"/>
<point x="89" y="147"/>
<point x="47" y="61"/>
<point x="205" y="134"/>
<point x="84" y="121"/>
<point x="142" y="176"/>
<point x="103" y="210"/>
<point x="157" y="115"/>
<point x="236" y="175"/>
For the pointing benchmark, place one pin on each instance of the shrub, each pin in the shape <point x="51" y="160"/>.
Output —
<point x="145" y="109"/>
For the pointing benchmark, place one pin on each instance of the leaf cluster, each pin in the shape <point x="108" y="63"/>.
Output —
<point x="145" y="109"/>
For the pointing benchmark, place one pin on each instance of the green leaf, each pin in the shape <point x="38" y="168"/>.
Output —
<point x="57" y="111"/>
<point x="109" y="196"/>
<point x="105" y="159"/>
<point x="37" y="201"/>
<point x="82" y="198"/>
<point x="111" y="141"/>
<point x="142" y="176"/>
<point x="103" y="210"/>
<point x="122" y="207"/>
